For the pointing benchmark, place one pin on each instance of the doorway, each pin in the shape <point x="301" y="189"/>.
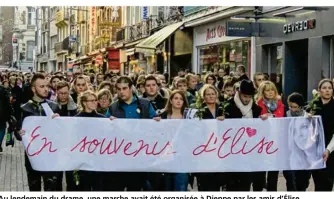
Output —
<point x="296" y="67"/>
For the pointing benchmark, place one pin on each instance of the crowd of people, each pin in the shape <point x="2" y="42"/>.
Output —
<point x="157" y="96"/>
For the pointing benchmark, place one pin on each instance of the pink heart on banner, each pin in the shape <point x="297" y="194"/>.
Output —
<point x="250" y="132"/>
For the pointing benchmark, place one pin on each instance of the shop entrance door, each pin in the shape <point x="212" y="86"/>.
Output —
<point x="295" y="67"/>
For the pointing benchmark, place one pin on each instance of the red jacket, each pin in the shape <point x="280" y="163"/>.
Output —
<point x="279" y="111"/>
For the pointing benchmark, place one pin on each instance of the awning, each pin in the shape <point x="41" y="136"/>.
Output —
<point x="150" y="44"/>
<point x="130" y="52"/>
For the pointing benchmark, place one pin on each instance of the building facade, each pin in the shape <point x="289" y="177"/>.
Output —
<point x="24" y="34"/>
<point x="6" y="34"/>
<point x="213" y="48"/>
<point x="147" y="40"/>
<point x="298" y="51"/>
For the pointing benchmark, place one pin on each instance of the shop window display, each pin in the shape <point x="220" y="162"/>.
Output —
<point x="225" y="55"/>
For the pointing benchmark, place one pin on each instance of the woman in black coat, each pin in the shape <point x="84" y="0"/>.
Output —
<point x="211" y="109"/>
<point x="86" y="180"/>
<point x="323" y="105"/>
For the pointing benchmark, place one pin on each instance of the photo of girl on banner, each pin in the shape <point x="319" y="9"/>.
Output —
<point x="306" y="143"/>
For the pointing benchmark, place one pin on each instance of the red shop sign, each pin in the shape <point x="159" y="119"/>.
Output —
<point x="217" y="31"/>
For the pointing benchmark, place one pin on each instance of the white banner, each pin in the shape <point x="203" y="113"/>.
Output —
<point x="99" y="144"/>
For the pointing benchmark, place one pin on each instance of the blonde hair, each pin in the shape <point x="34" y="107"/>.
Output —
<point x="267" y="85"/>
<point x="84" y="97"/>
<point x="104" y="92"/>
<point x="205" y="88"/>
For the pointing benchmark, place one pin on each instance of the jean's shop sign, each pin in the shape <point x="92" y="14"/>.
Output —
<point x="299" y="26"/>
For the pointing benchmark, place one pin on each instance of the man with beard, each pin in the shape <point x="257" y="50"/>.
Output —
<point x="33" y="107"/>
<point x="242" y="105"/>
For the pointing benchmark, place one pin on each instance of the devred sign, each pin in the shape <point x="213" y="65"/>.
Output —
<point x="299" y="26"/>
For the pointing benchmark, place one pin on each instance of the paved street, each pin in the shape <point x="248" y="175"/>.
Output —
<point x="13" y="176"/>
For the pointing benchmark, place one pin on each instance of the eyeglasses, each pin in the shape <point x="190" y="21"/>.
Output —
<point x="94" y="100"/>
<point x="63" y="93"/>
<point x="260" y="80"/>
<point x="104" y="99"/>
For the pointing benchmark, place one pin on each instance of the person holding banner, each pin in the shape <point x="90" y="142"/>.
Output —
<point x="88" y="180"/>
<point x="242" y="105"/>
<point x="105" y="99"/>
<point x="301" y="177"/>
<point x="272" y="106"/>
<point x="65" y="102"/>
<point x="35" y="107"/>
<point x="128" y="105"/>
<point x="67" y="108"/>
<point x="323" y="105"/>
<point x="155" y="180"/>
<point x="175" y="107"/>
<point x="212" y="110"/>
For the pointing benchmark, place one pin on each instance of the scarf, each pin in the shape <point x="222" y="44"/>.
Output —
<point x="295" y="114"/>
<point x="270" y="105"/>
<point x="246" y="110"/>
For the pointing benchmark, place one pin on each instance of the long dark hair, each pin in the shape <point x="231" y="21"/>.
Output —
<point x="169" y="109"/>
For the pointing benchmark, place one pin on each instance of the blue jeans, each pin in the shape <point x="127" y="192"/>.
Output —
<point x="176" y="182"/>
<point x="2" y="134"/>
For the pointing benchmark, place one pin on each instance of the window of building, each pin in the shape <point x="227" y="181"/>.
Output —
<point x="30" y="50"/>
<point x="54" y="40"/>
<point x="30" y="15"/>
<point x="225" y="55"/>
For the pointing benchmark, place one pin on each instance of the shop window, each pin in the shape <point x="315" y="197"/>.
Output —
<point x="275" y="68"/>
<point x="225" y="55"/>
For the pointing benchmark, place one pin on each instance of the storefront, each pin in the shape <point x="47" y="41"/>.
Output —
<point x="213" y="50"/>
<point x="298" y="52"/>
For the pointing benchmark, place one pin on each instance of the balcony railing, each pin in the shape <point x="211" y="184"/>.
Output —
<point x="62" y="46"/>
<point x="146" y="27"/>
<point x="61" y="18"/>
<point x="58" y="47"/>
